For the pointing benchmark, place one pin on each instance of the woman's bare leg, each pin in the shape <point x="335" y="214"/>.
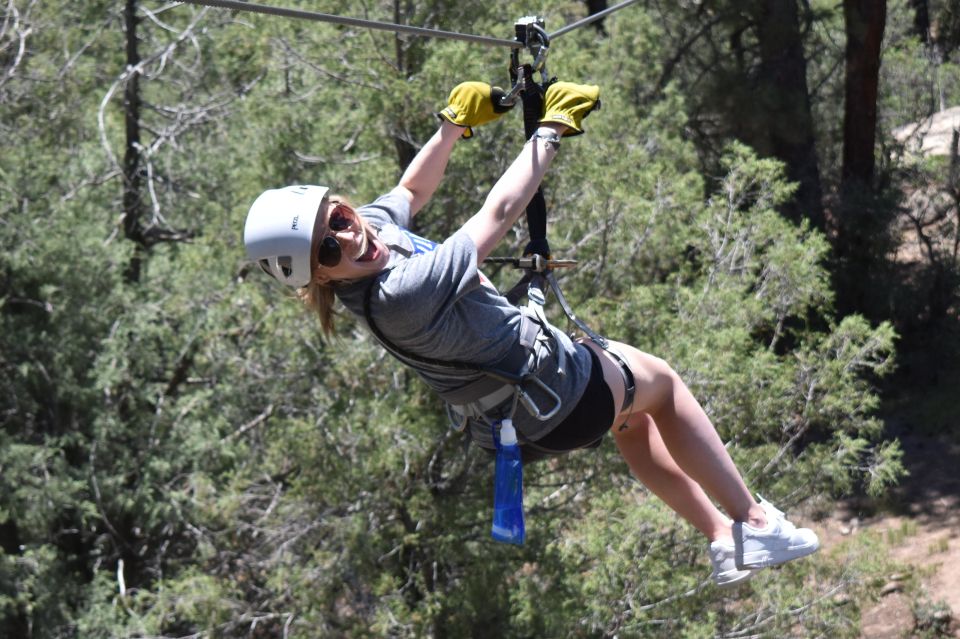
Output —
<point x="649" y="460"/>
<point x="684" y="428"/>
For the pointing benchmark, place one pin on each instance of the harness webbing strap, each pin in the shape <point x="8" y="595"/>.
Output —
<point x="518" y="360"/>
<point x="529" y="32"/>
<point x="423" y="360"/>
<point x="629" y="382"/>
<point x="532" y="97"/>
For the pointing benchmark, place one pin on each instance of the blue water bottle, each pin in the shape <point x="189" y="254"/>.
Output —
<point x="508" y="488"/>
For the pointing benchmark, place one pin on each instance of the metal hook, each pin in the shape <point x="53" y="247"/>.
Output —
<point x="531" y="405"/>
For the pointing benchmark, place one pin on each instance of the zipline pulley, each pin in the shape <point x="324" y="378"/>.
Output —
<point x="533" y="37"/>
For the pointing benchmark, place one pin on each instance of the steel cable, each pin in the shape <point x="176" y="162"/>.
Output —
<point x="590" y="18"/>
<point x="239" y="5"/>
<point x="353" y="22"/>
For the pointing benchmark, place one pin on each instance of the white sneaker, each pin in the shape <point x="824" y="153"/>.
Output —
<point x="725" y="571"/>
<point x="778" y="543"/>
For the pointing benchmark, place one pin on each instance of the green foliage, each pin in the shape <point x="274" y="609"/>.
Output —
<point x="182" y="455"/>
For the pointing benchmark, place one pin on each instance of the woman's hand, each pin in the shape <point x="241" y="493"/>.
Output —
<point x="473" y="103"/>
<point x="568" y="103"/>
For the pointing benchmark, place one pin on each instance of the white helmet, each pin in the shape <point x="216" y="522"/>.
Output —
<point x="279" y="231"/>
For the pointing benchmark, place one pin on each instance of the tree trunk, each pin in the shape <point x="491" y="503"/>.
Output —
<point x="15" y="623"/>
<point x="144" y="233"/>
<point x="865" y="23"/>
<point x="406" y="151"/>
<point x="862" y="225"/>
<point x="785" y="103"/>
<point x="132" y="202"/>
<point x="594" y="7"/>
<point x="921" y="19"/>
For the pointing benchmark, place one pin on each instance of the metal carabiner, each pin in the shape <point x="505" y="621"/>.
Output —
<point x="531" y="405"/>
<point x="531" y="34"/>
<point x="542" y="46"/>
<point x="509" y="99"/>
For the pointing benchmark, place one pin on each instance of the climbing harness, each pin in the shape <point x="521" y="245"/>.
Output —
<point x="513" y="378"/>
<point x="539" y="270"/>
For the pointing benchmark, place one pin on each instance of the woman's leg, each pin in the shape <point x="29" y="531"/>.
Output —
<point x="643" y="449"/>
<point x="689" y="437"/>
<point x="667" y="429"/>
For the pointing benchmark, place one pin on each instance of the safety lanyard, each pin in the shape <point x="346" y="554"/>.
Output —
<point x="531" y="34"/>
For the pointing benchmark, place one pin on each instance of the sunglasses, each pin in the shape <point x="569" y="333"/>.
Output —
<point x="329" y="253"/>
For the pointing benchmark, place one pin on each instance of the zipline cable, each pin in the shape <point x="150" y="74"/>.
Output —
<point x="239" y="5"/>
<point x="353" y="22"/>
<point x="591" y="18"/>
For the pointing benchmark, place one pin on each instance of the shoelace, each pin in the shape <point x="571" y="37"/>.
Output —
<point x="771" y="508"/>
<point x="778" y="515"/>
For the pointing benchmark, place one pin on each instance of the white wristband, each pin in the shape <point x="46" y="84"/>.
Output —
<point x="549" y="136"/>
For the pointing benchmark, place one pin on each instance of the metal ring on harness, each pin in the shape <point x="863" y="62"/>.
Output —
<point x="531" y="405"/>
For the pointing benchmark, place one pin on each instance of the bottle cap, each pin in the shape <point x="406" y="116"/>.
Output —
<point x="508" y="434"/>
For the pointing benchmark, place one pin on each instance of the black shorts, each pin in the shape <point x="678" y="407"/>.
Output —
<point x="585" y="426"/>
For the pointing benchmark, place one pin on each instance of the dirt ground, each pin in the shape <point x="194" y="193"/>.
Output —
<point x="923" y="524"/>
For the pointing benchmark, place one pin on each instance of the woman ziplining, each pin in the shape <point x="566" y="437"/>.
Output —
<point x="429" y="305"/>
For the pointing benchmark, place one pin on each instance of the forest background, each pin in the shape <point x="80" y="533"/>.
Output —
<point x="181" y="455"/>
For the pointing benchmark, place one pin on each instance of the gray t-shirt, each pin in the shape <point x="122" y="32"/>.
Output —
<point x="433" y="301"/>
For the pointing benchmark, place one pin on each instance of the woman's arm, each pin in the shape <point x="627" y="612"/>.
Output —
<point x="513" y="191"/>
<point x="424" y="173"/>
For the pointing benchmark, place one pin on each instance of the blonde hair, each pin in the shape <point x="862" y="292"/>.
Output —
<point x="318" y="296"/>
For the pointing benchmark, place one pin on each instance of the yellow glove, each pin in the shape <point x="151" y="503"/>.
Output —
<point x="473" y="103"/>
<point x="568" y="103"/>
